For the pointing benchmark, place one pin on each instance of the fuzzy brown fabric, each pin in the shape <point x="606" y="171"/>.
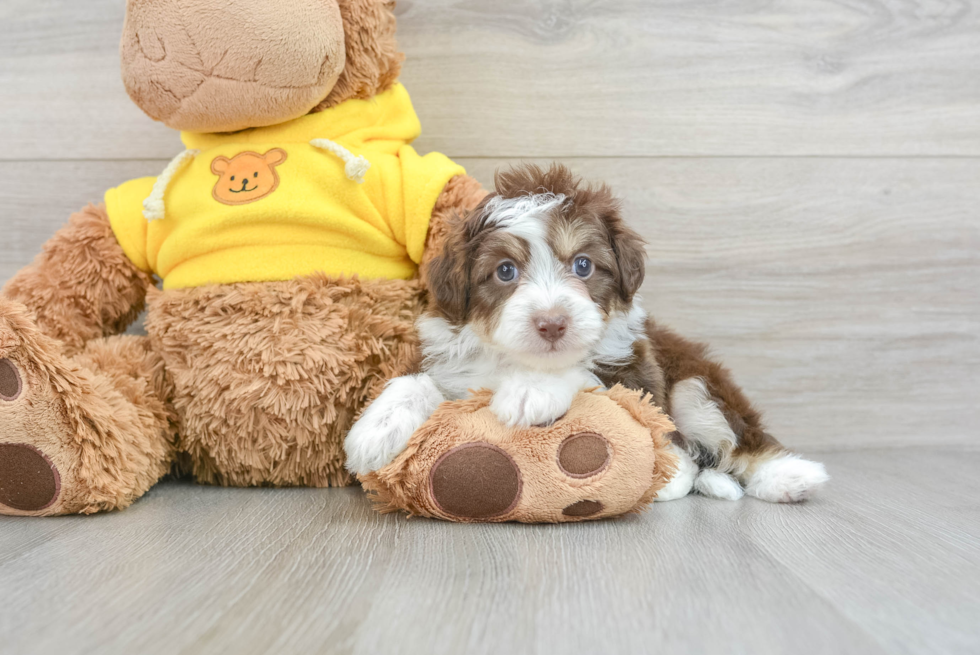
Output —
<point x="98" y="417"/>
<point x="269" y="377"/>
<point x="640" y="463"/>
<point x="373" y="60"/>
<point x="82" y="286"/>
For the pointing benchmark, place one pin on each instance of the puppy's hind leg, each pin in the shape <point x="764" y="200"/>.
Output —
<point x="383" y="430"/>
<point x="752" y="458"/>
<point x="724" y="432"/>
<point x="709" y="435"/>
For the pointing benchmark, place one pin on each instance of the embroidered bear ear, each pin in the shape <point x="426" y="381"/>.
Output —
<point x="272" y="157"/>
<point x="220" y="164"/>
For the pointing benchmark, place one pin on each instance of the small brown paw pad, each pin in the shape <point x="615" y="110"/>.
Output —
<point x="583" y="508"/>
<point x="583" y="455"/>
<point x="475" y="481"/>
<point x="10" y="383"/>
<point x="28" y="480"/>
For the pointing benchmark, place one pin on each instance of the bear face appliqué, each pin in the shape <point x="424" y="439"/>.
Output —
<point x="246" y="177"/>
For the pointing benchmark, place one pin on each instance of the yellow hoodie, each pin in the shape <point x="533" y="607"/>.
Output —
<point x="274" y="203"/>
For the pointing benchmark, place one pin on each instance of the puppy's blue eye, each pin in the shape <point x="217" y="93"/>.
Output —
<point x="506" y="272"/>
<point x="582" y="267"/>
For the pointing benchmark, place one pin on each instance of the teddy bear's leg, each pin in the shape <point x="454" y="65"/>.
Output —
<point x="82" y="434"/>
<point x="82" y="286"/>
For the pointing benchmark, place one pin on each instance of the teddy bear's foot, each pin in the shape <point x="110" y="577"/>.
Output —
<point x="76" y="435"/>
<point x="607" y="456"/>
<point x="38" y="461"/>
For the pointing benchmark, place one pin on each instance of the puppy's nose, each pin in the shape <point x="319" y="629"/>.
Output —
<point x="551" y="327"/>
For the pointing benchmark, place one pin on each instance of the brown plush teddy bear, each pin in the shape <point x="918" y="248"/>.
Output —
<point x="292" y="238"/>
<point x="288" y="238"/>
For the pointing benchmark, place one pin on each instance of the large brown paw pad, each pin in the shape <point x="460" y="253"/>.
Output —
<point x="475" y="481"/>
<point x="28" y="480"/>
<point x="10" y="382"/>
<point x="583" y="455"/>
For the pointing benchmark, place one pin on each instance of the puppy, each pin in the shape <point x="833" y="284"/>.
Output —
<point x="534" y="298"/>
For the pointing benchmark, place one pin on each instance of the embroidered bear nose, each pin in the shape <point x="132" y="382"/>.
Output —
<point x="551" y="327"/>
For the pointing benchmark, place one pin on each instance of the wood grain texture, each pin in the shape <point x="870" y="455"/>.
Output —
<point x="841" y="292"/>
<point x="886" y="561"/>
<point x="806" y="176"/>
<point x="572" y="78"/>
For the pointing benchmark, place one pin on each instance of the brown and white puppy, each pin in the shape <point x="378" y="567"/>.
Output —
<point x="534" y="297"/>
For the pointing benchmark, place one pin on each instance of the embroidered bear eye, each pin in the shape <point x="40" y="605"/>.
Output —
<point x="506" y="272"/>
<point x="582" y="267"/>
<point x="232" y="178"/>
<point x="255" y="174"/>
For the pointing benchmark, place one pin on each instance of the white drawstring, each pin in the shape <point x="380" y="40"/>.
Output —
<point x="153" y="207"/>
<point x="355" y="166"/>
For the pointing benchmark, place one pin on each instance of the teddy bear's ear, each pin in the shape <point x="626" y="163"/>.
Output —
<point x="219" y="165"/>
<point x="373" y="61"/>
<point x="274" y="157"/>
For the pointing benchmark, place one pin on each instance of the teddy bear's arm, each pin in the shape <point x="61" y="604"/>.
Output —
<point x="461" y="194"/>
<point x="81" y="286"/>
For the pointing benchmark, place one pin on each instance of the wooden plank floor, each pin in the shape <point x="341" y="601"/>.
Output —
<point x="887" y="561"/>
<point x="807" y="175"/>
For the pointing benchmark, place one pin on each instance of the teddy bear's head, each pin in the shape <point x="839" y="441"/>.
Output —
<point x="227" y="65"/>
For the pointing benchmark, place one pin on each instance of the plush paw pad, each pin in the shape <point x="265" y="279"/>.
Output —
<point x="475" y="481"/>
<point x="583" y="508"/>
<point x="28" y="480"/>
<point x="583" y="455"/>
<point x="10" y="382"/>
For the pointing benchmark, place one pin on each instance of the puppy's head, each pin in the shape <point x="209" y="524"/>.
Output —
<point x="538" y="268"/>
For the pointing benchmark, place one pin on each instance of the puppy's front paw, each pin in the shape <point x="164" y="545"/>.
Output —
<point x="389" y="422"/>
<point x="522" y="405"/>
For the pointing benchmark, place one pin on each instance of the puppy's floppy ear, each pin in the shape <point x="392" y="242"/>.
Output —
<point x="628" y="246"/>
<point x="448" y="274"/>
